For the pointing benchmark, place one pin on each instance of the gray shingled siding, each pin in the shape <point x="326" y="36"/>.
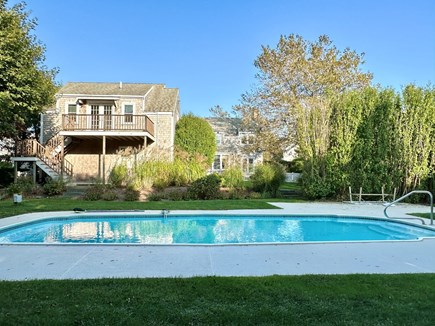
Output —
<point x="162" y="106"/>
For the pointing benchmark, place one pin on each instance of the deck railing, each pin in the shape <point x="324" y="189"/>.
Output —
<point x="47" y="154"/>
<point x="107" y="122"/>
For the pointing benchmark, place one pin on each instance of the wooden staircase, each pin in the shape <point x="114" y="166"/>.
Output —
<point x="48" y="158"/>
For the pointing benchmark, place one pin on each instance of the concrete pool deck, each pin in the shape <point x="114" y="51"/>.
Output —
<point x="24" y="262"/>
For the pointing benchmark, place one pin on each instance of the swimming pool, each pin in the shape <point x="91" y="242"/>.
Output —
<point x="209" y="229"/>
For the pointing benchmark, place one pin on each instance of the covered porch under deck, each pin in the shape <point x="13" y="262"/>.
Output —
<point x="93" y="153"/>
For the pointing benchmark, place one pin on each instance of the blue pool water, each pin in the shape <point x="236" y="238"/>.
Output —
<point x="210" y="230"/>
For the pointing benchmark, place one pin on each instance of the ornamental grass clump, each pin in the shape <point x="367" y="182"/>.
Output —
<point x="119" y="175"/>
<point x="232" y="178"/>
<point x="267" y="179"/>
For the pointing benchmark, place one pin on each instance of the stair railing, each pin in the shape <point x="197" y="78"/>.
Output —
<point x="407" y="195"/>
<point x="31" y="147"/>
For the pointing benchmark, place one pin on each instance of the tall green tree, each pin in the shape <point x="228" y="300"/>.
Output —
<point x="195" y="136"/>
<point x="417" y="132"/>
<point x="27" y="86"/>
<point x="296" y="81"/>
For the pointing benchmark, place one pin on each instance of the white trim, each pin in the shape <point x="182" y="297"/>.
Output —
<point x="158" y="113"/>
<point x="98" y="133"/>
<point x="97" y="97"/>
<point x="146" y="94"/>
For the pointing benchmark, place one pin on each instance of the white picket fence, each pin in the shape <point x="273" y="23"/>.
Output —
<point x="292" y="177"/>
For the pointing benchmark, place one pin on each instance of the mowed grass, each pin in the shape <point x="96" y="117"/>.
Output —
<point x="8" y="208"/>
<point x="424" y="215"/>
<point x="407" y="299"/>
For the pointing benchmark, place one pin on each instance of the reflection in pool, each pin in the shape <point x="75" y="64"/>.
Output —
<point x="192" y="229"/>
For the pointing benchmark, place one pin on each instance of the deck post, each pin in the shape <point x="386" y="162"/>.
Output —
<point x="360" y="194"/>
<point x="62" y="154"/>
<point x="350" y="194"/>
<point x="15" y="171"/>
<point x="34" y="172"/>
<point x="103" y="176"/>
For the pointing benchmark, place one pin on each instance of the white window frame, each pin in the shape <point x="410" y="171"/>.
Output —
<point x="67" y="105"/>
<point x="124" y="114"/>
<point x="219" y="138"/>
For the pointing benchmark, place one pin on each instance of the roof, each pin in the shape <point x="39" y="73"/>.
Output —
<point x="105" y="88"/>
<point x="159" y="98"/>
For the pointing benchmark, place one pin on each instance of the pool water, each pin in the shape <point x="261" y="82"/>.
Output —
<point x="210" y="230"/>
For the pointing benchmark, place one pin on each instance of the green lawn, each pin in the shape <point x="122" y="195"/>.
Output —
<point x="8" y="208"/>
<point x="424" y="215"/>
<point x="407" y="299"/>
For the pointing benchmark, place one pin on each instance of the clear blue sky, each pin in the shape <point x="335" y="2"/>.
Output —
<point x="207" y="48"/>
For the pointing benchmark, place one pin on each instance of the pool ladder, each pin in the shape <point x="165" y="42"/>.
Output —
<point x="407" y="195"/>
<point x="165" y="213"/>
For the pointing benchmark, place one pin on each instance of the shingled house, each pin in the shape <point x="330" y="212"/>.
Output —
<point x="93" y="122"/>
<point x="232" y="141"/>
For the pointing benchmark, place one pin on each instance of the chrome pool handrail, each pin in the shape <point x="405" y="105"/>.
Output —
<point x="407" y="195"/>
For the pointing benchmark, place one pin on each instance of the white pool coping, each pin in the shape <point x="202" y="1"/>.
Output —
<point x="24" y="262"/>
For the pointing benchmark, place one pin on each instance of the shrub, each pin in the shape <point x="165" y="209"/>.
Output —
<point x="176" y="195"/>
<point x="254" y="195"/>
<point x="54" y="187"/>
<point x="194" y="135"/>
<point x="296" y="166"/>
<point x="237" y="194"/>
<point x="267" y="178"/>
<point x="24" y="185"/>
<point x="119" y="175"/>
<point x="131" y="194"/>
<point x="109" y="195"/>
<point x="94" y="192"/>
<point x="207" y="187"/>
<point x="233" y="178"/>
<point x="156" y="196"/>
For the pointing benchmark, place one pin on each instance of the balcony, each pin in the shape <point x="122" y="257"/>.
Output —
<point x="107" y="122"/>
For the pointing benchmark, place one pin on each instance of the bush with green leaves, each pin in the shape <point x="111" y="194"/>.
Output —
<point x="94" y="192"/>
<point x="233" y="178"/>
<point x="131" y="194"/>
<point x="296" y="166"/>
<point x="54" y="187"/>
<point x="156" y="196"/>
<point x="176" y="195"/>
<point x="194" y="135"/>
<point x="267" y="178"/>
<point x="119" y="175"/>
<point x="109" y="195"/>
<point x="24" y="185"/>
<point x="207" y="187"/>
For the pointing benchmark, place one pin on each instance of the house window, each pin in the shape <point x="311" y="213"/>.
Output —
<point x="128" y="113"/>
<point x="217" y="162"/>
<point x="218" y="139"/>
<point x="250" y="165"/>
<point x="72" y="114"/>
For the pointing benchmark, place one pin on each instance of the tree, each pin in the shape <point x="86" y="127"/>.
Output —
<point x="195" y="136"/>
<point x="27" y="86"/>
<point x="297" y="79"/>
